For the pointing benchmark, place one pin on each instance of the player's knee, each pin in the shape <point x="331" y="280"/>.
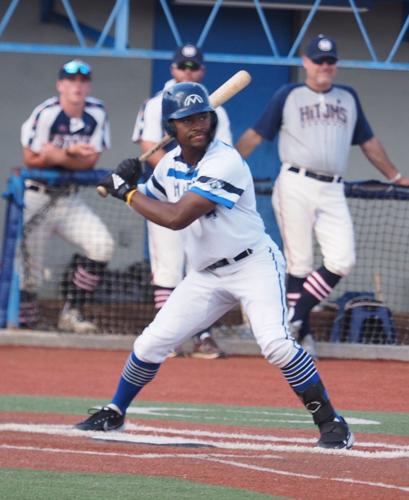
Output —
<point x="341" y="267"/>
<point x="167" y="278"/>
<point x="280" y="351"/>
<point x="104" y="251"/>
<point x="151" y="348"/>
<point x="300" y="270"/>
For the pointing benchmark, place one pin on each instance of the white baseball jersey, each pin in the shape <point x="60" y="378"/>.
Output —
<point x="223" y="177"/>
<point x="49" y="123"/>
<point x="148" y="125"/>
<point x="61" y="211"/>
<point x="316" y="129"/>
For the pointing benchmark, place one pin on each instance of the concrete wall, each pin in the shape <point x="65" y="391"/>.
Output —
<point x="123" y="84"/>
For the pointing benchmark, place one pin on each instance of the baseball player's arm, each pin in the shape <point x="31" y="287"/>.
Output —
<point x="172" y="215"/>
<point x="248" y="141"/>
<point x="376" y="154"/>
<point x="76" y="157"/>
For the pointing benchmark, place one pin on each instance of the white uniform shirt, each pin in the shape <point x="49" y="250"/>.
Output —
<point x="49" y="123"/>
<point x="316" y="129"/>
<point x="223" y="177"/>
<point x="148" y="125"/>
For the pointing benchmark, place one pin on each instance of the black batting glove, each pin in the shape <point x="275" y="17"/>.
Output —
<point x="130" y="170"/>
<point x="116" y="186"/>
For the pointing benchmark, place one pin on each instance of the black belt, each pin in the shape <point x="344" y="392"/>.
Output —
<point x="313" y="175"/>
<point x="43" y="188"/>
<point x="226" y="262"/>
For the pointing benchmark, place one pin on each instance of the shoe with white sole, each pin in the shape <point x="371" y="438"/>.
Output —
<point x="335" y="435"/>
<point x="105" y="419"/>
<point x="71" y="320"/>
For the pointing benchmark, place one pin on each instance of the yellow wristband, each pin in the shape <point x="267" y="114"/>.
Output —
<point x="129" y="196"/>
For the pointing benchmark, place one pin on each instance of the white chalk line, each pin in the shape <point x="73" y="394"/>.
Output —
<point x="238" y="442"/>
<point x="254" y="437"/>
<point x="273" y="416"/>
<point x="307" y="476"/>
<point x="208" y="457"/>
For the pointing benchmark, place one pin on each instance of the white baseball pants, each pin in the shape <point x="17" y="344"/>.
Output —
<point x="257" y="282"/>
<point x="303" y="206"/>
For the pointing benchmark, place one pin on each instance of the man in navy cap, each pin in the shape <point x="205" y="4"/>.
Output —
<point x="316" y="122"/>
<point x="166" y="251"/>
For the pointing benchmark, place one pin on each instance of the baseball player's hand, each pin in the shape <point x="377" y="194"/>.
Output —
<point x="116" y="186"/>
<point x="403" y="181"/>
<point x="80" y="149"/>
<point x="130" y="170"/>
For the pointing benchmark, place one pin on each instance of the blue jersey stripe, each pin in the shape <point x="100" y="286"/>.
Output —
<point x="212" y="197"/>
<point x="225" y="185"/>
<point x="179" y="174"/>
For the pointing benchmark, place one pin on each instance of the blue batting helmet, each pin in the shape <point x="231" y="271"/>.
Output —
<point x="184" y="99"/>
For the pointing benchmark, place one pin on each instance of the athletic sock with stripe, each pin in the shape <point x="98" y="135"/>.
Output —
<point x="135" y="375"/>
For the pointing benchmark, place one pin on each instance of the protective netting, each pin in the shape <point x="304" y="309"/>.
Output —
<point x="371" y="305"/>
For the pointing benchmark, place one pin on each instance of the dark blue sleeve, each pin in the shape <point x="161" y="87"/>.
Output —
<point x="362" y="131"/>
<point x="269" y="122"/>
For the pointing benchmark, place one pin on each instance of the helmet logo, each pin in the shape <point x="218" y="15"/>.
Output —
<point x="193" y="99"/>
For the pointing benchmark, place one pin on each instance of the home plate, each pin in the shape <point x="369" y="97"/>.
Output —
<point x="143" y="439"/>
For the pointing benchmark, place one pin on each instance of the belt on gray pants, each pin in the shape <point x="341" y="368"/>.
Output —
<point x="40" y="187"/>
<point x="314" y="175"/>
<point x="226" y="262"/>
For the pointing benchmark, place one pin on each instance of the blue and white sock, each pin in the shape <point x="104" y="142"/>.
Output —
<point x="301" y="372"/>
<point x="135" y="375"/>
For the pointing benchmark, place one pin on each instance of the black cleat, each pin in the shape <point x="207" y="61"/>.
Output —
<point x="104" y="419"/>
<point x="335" y="435"/>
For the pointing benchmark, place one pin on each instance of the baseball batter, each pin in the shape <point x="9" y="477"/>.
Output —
<point x="166" y="252"/>
<point x="205" y="189"/>
<point x="317" y="122"/>
<point x="67" y="132"/>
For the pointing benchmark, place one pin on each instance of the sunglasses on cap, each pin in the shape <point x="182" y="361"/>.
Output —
<point x="329" y="60"/>
<point x="193" y="66"/>
<point x="76" y="66"/>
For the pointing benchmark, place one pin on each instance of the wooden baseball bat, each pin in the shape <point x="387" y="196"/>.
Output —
<point x="226" y="91"/>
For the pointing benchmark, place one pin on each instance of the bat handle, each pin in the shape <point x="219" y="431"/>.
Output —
<point x="102" y="191"/>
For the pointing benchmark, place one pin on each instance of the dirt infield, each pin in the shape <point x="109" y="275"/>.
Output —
<point x="279" y="461"/>
<point x="361" y="385"/>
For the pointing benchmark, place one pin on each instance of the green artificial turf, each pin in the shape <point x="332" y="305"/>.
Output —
<point x="23" y="484"/>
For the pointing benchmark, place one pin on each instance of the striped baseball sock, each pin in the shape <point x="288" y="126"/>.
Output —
<point x="304" y="379"/>
<point x="135" y="375"/>
<point x="317" y="287"/>
<point x="81" y="280"/>
<point x="294" y="289"/>
<point x="161" y="295"/>
<point x="301" y="372"/>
